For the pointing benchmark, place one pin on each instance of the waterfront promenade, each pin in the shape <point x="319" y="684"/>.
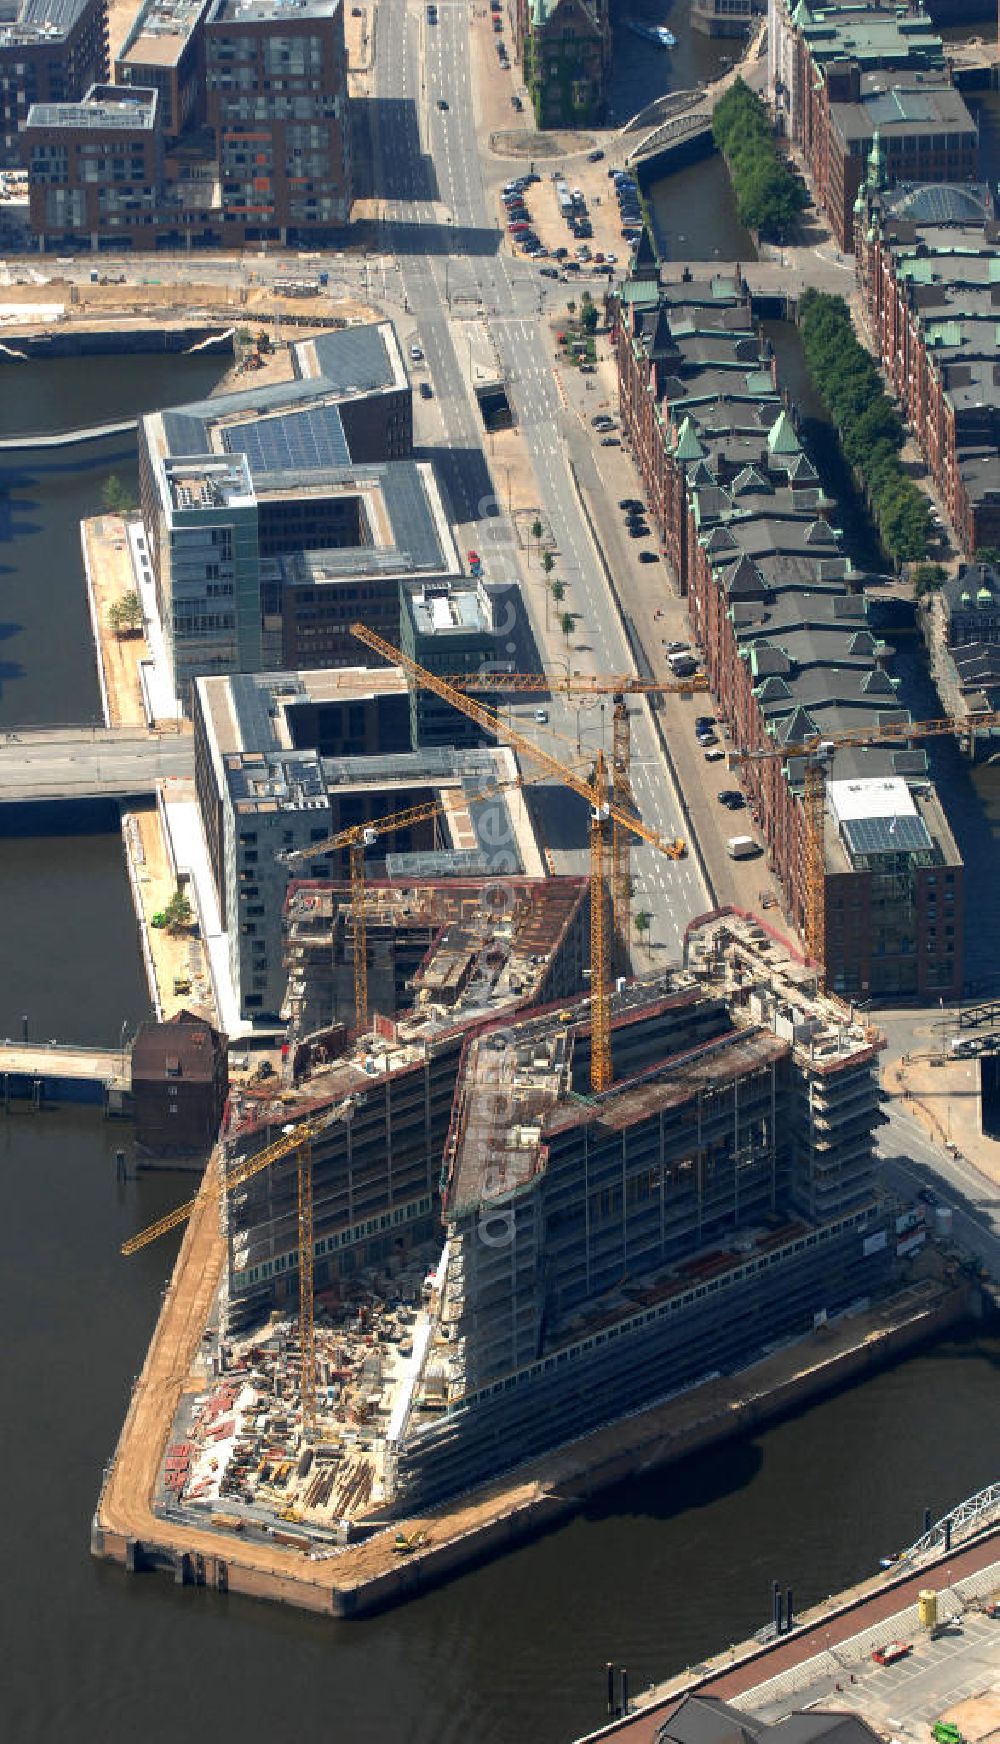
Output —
<point x="821" y="1650"/>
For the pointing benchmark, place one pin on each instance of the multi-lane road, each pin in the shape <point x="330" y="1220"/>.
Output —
<point x="439" y="226"/>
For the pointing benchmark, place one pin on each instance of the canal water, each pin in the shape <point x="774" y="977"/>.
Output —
<point x="654" y="1575"/>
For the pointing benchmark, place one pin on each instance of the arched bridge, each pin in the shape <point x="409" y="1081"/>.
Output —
<point x="966" y="1521"/>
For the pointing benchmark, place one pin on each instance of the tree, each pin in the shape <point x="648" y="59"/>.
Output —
<point x="571" y="306"/>
<point x="567" y="624"/>
<point x="536" y="529"/>
<point x="548" y="562"/>
<point x="116" y="498"/>
<point x="131" y="609"/>
<point x="927" y="578"/>
<point x="589" y="316"/>
<point x="643" y="922"/>
<point x="987" y="554"/>
<point x="768" y="192"/>
<point x="125" y="615"/>
<point x="178" y="913"/>
<point x="558" y="591"/>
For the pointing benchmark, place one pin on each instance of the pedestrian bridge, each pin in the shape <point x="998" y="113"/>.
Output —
<point x="44" y="1073"/>
<point x="61" y="763"/>
<point x="65" y="438"/>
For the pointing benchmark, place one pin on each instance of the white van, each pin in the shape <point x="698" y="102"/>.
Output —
<point x="742" y="848"/>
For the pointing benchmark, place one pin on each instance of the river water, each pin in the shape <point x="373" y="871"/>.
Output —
<point x="653" y="1576"/>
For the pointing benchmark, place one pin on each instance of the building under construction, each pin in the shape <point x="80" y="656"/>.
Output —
<point x="445" y="957"/>
<point x="578" y="1257"/>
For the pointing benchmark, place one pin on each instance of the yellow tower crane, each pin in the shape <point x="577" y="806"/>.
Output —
<point x="601" y="810"/>
<point x="817" y="751"/>
<point x="295" y="1139"/>
<point x="356" y="839"/>
<point x="617" y="685"/>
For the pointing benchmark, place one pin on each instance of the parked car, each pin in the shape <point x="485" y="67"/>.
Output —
<point x="609" y="441"/>
<point x="416" y="353"/>
<point x="426" y="391"/>
<point x="600" y="418"/>
<point x="595" y="156"/>
<point x="649" y="557"/>
<point x="731" y="799"/>
<point x="638" y="530"/>
<point x="702" y="723"/>
<point x="561" y="253"/>
<point x="548" y="272"/>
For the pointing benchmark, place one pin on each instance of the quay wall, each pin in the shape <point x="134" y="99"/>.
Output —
<point x="48" y="1089"/>
<point x="111" y="342"/>
<point x="552" y="1489"/>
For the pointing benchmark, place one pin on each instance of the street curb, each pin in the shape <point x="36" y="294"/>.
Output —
<point x="640" y="659"/>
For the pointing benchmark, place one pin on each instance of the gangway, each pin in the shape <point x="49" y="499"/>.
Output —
<point x="966" y="1521"/>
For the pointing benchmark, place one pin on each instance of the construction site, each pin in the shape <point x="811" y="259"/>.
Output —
<point x="500" y="1211"/>
<point x="578" y="1259"/>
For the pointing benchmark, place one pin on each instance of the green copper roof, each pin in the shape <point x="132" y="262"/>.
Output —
<point x="781" y="438"/>
<point x="688" y="447"/>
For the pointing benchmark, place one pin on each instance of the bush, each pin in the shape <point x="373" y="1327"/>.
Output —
<point x="870" y="431"/>
<point x="768" y="193"/>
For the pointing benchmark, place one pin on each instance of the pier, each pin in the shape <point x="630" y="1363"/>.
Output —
<point x="62" y="763"/>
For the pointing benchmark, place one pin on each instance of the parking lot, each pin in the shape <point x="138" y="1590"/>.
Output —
<point x="572" y="231"/>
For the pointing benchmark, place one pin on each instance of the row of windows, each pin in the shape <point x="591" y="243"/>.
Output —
<point x="635" y="1321"/>
<point x="332" y="1243"/>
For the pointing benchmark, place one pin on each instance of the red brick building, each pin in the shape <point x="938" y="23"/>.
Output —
<point x="841" y="74"/>
<point x="51" y="51"/>
<point x="230" y="124"/>
<point x="926" y="262"/>
<point x="782" y="626"/>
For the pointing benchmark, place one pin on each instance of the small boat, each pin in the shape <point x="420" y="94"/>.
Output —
<point x="657" y="33"/>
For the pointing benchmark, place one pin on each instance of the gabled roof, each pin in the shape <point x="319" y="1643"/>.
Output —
<point x="750" y="480"/>
<point x="795" y="727"/>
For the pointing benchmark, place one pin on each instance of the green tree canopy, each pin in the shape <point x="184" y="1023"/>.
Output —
<point x="870" y="430"/>
<point x="116" y="498"/>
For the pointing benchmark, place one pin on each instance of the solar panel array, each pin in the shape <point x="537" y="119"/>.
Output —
<point x="886" y="835"/>
<point x="308" y="441"/>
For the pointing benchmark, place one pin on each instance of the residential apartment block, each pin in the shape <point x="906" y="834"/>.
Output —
<point x="840" y="75"/>
<point x="239" y="131"/>
<point x="51" y="51"/>
<point x="783" y="625"/>
<point x="928" y="275"/>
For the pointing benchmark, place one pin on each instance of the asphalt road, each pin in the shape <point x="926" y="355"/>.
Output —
<point x="911" y="1160"/>
<point x="81" y="764"/>
<point x="441" y="229"/>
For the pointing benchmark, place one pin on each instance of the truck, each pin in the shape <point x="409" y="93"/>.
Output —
<point x="742" y="848"/>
